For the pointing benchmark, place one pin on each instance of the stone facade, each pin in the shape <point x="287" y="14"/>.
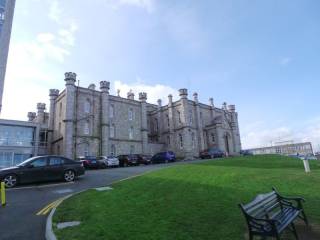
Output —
<point x="85" y="121"/>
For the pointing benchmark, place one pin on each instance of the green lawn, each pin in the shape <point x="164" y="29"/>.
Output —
<point x="188" y="201"/>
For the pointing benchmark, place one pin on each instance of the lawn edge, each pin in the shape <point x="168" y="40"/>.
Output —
<point x="50" y="235"/>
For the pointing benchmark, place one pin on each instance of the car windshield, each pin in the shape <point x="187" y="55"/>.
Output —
<point x="24" y="163"/>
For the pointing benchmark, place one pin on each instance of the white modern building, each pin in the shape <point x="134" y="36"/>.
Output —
<point x="304" y="148"/>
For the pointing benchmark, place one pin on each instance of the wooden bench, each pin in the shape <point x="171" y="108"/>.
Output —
<point x="269" y="214"/>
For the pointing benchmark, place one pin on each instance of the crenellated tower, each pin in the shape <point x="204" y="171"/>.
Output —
<point x="144" y="124"/>
<point x="70" y="92"/>
<point x="104" y="88"/>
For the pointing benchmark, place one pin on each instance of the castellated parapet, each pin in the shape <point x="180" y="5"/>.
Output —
<point x="232" y="108"/>
<point x="104" y="86"/>
<point x="85" y="122"/>
<point x="143" y="96"/>
<point x="41" y="107"/>
<point x="183" y="92"/>
<point x="70" y="78"/>
<point x="54" y="93"/>
<point x="31" y="116"/>
<point x="130" y="95"/>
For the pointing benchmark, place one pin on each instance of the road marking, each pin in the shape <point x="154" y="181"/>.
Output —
<point x="46" y="209"/>
<point x="40" y="186"/>
<point x="61" y="191"/>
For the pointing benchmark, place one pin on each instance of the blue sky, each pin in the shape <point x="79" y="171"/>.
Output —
<point x="262" y="56"/>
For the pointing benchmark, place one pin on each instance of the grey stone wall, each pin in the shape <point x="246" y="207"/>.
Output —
<point x="138" y="126"/>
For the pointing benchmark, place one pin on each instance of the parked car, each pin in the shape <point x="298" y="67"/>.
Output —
<point x="246" y="153"/>
<point x="144" y="159"/>
<point x="91" y="162"/>
<point x="110" y="161"/>
<point x="212" y="153"/>
<point x="164" y="157"/>
<point x="311" y="157"/>
<point x="128" y="160"/>
<point x="43" y="168"/>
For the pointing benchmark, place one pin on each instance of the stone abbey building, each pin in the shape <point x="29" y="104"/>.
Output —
<point x="85" y="121"/>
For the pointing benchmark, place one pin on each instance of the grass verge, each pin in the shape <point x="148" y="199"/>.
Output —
<point x="189" y="201"/>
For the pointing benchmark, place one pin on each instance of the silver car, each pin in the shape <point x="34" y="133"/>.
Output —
<point x="110" y="161"/>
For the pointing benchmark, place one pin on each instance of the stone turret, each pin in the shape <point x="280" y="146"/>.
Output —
<point x="144" y="123"/>
<point x="143" y="97"/>
<point x="199" y="123"/>
<point x="224" y="106"/>
<point x="231" y="108"/>
<point x="92" y="87"/>
<point x="68" y="140"/>
<point x="53" y="94"/>
<point x="195" y="97"/>
<point x="211" y="102"/>
<point x="41" y="107"/>
<point x="160" y="120"/>
<point x="183" y="92"/>
<point x="130" y="95"/>
<point x="104" y="88"/>
<point x="186" y="124"/>
<point x="172" y="144"/>
<point x="170" y="99"/>
<point x="31" y="116"/>
<point x="235" y="129"/>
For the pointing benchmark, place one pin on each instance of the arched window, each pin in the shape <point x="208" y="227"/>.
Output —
<point x="130" y="114"/>
<point x="131" y="133"/>
<point x="156" y="125"/>
<point x="113" y="150"/>
<point x="86" y="128"/>
<point x="179" y="116"/>
<point x="190" y="117"/>
<point x="180" y="140"/>
<point x="131" y="149"/>
<point x="86" y="150"/>
<point x="168" y="140"/>
<point x="193" y="140"/>
<point x="60" y="109"/>
<point x="87" y="106"/>
<point x="168" y="121"/>
<point x="112" y="131"/>
<point x="111" y="111"/>
<point x="213" y="138"/>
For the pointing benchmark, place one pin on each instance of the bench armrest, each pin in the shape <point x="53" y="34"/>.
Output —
<point x="297" y="199"/>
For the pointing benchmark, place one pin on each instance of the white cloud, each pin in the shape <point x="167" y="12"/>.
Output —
<point x="154" y="92"/>
<point x="285" y="61"/>
<point x="66" y="35"/>
<point x="55" y="11"/>
<point x="45" y="37"/>
<point x="35" y="61"/>
<point x="148" y="5"/>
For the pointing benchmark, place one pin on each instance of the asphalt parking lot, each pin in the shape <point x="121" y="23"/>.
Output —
<point x="25" y="214"/>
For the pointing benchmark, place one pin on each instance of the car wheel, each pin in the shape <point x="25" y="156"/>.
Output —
<point x="11" y="180"/>
<point x="69" y="175"/>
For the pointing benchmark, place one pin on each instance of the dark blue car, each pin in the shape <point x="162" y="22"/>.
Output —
<point x="164" y="157"/>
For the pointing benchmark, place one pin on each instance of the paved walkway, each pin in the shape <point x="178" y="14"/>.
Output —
<point x="305" y="233"/>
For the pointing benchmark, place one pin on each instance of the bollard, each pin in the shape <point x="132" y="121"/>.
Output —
<point x="306" y="165"/>
<point x="3" y="194"/>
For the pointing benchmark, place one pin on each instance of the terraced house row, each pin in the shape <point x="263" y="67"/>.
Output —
<point x="86" y="121"/>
